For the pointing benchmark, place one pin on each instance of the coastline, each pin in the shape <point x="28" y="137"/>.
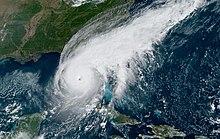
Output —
<point x="47" y="64"/>
<point x="47" y="27"/>
<point x="23" y="60"/>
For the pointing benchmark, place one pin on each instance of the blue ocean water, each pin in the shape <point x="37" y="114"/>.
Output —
<point x="181" y="86"/>
<point x="186" y="81"/>
<point x="16" y="92"/>
<point x="47" y="64"/>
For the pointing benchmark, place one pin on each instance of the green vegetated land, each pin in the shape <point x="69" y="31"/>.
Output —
<point x="14" y="30"/>
<point x="41" y="27"/>
<point x="27" y="126"/>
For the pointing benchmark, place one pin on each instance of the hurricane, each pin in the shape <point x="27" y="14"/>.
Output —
<point x="140" y="69"/>
<point x="91" y="56"/>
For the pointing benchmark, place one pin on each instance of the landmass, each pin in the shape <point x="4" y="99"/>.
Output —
<point x="165" y="131"/>
<point x="29" y="28"/>
<point x="28" y="126"/>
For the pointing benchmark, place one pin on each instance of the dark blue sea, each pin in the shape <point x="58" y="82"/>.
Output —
<point x="16" y="92"/>
<point x="183" y="91"/>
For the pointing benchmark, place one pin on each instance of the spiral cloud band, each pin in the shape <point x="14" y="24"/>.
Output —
<point x="87" y="59"/>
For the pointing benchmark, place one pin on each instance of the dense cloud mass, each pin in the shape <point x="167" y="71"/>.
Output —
<point x="83" y="71"/>
<point x="149" y="70"/>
